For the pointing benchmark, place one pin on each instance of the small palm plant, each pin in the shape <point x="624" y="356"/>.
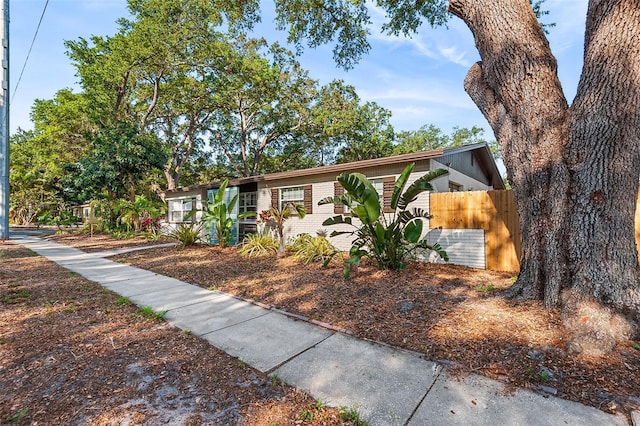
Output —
<point x="218" y="215"/>
<point x="277" y="217"/>
<point x="388" y="240"/>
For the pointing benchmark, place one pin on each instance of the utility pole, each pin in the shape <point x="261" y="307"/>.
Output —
<point x="4" y="124"/>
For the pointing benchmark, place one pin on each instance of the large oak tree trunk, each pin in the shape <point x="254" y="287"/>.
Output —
<point x="575" y="169"/>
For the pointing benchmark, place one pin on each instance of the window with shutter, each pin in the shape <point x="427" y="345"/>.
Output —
<point x="338" y="191"/>
<point x="387" y="192"/>
<point x="308" y="199"/>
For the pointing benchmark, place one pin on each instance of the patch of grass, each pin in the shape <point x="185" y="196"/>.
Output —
<point x="275" y="380"/>
<point x="17" y="254"/>
<point x="351" y="415"/>
<point x="635" y="345"/>
<point x="306" y="415"/>
<point x="85" y="287"/>
<point x="13" y="297"/>
<point x="486" y="288"/>
<point x="122" y="301"/>
<point x="3" y="341"/>
<point x="539" y="377"/>
<point x="320" y="404"/>
<point x="14" y="284"/>
<point x="148" y="312"/>
<point x="18" y="415"/>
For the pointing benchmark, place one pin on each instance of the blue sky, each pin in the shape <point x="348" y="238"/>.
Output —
<point x="419" y="78"/>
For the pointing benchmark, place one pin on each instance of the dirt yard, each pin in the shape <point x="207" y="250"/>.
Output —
<point x="449" y="313"/>
<point x="74" y="353"/>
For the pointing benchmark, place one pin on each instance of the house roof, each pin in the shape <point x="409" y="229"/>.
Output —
<point x="481" y="149"/>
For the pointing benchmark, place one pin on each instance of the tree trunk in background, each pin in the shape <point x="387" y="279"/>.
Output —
<point x="574" y="170"/>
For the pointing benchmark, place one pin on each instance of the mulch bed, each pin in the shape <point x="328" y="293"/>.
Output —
<point x="449" y="313"/>
<point x="74" y="353"/>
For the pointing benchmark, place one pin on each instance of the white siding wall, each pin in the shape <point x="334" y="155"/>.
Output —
<point x="463" y="246"/>
<point x="198" y="195"/>
<point x="468" y="183"/>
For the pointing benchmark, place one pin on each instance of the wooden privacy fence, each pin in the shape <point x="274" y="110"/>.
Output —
<point x="494" y="212"/>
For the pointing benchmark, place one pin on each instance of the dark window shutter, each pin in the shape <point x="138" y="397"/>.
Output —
<point x="308" y="199"/>
<point x="338" y="191"/>
<point x="387" y="192"/>
<point x="274" y="198"/>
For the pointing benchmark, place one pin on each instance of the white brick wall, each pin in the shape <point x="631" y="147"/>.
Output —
<point x="464" y="247"/>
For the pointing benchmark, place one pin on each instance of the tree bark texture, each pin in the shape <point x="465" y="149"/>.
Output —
<point x="574" y="170"/>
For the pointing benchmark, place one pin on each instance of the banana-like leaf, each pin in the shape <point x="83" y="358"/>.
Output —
<point x="329" y="200"/>
<point x="400" y="183"/>
<point x="355" y="184"/>
<point x="422" y="184"/>
<point x="336" y="233"/>
<point x="371" y="206"/>
<point x="418" y="212"/>
<point x="413" y="231"/>
<point x="335" y="220"/>
<point x="435" y="247"/>
<point x="233" y="202"/>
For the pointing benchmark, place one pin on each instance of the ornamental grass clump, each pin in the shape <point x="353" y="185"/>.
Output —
<point x="308" y="249"/>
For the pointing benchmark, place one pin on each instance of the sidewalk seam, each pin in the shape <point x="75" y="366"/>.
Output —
<point x="271" y="370"/>
<point x="440" y="370"/>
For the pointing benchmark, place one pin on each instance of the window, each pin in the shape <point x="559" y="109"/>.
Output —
<point x="180" y="208"/>
<point x="293" y="195"/>
<point x="247" y="202"/>
<point x="455" y="187"/>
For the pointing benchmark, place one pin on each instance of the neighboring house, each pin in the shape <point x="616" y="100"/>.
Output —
<point x="471" y="168"/>
<point x="83" y="212"/>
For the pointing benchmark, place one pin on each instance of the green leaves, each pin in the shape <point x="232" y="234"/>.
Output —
<point x="390" y="240"/>
<point x="419" y="186"/>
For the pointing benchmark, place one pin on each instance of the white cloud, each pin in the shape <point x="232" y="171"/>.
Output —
<point x="454" y="55"/>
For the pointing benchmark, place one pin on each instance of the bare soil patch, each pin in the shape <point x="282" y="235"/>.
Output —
<point x="74" y="353"/>
<point x="449" y="313"/>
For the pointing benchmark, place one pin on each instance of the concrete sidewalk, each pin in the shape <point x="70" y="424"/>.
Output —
<point x="386" y="386"/>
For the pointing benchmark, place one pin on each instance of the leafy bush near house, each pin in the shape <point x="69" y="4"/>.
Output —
<point x="217" y="215"/>
<point x="259" y="244"/>
<point x="312" y="249"/>
<point x="388" y="240"/>
<point x="186" y="234"/>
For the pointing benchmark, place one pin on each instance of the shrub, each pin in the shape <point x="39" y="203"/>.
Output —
<point x="388" y="240"/>
<point x="259" y="244"/>
<point x="312" y="249"/>
<point x="217" y="215"/>
<point x="186" y="234"/>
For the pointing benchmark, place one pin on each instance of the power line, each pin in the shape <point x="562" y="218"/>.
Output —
<point x="15" y="89"/>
